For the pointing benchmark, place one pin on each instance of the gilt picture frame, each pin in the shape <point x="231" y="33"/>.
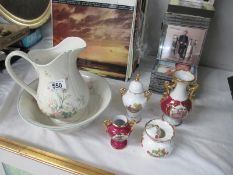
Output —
<point x="28" y="13"/>
<point x="20" y="159"/>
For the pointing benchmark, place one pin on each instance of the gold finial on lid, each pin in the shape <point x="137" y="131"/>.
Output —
<point x="137" y="77"/>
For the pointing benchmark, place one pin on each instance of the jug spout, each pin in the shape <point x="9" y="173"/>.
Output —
<point x="68" y="51"/>
<point x="74" y="44"/>
<point x="46" y="57"/>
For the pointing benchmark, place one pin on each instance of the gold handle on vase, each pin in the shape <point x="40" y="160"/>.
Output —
<point x="107" y="123"/>
<point x="147" y="94"/>
<point x="132" y="123"/>
<point x="168" y="86"/>
<point x="137" y="77"/>
<point x="193" y="87"/>
<point x="123" y="91"/>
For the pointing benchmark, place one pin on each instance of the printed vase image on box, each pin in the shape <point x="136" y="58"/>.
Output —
<point x="107" y="29"/>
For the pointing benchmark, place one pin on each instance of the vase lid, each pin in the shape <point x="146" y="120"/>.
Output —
<point x="136" y="86"/>
<point x="159" y="130"/>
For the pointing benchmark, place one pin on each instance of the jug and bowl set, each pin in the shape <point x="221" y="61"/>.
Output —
<point x="64" y="98"/>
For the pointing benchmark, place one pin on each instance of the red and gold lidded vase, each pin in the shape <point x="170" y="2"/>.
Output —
<point x="176" y="102"/>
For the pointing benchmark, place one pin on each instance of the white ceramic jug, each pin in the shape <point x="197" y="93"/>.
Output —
<point x="62" y="93"/>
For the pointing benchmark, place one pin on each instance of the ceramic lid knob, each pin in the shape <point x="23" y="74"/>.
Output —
<point x="136" y="86"/>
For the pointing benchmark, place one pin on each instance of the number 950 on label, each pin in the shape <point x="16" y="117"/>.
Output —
<point x="57" y="84"/>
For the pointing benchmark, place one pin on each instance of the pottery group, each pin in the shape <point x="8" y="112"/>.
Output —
<point x="158" y="135"/>
<point x="65" y="98"/>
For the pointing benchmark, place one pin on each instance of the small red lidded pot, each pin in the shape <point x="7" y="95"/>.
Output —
<point x="119" y="130"/>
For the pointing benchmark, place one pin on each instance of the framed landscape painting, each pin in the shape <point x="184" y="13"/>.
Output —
<point x="19" y="159"/>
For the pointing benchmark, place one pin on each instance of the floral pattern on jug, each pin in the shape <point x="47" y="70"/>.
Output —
<point x="61" y="107"/>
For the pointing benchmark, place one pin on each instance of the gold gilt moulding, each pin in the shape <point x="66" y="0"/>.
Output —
<point x="28" y="13"/>
<point x="50" y="159"/>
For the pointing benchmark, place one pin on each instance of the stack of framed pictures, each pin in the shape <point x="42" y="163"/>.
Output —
<point x="184" y="30"/>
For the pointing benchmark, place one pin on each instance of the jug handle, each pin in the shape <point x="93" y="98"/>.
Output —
<point x="14" y="76"/>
